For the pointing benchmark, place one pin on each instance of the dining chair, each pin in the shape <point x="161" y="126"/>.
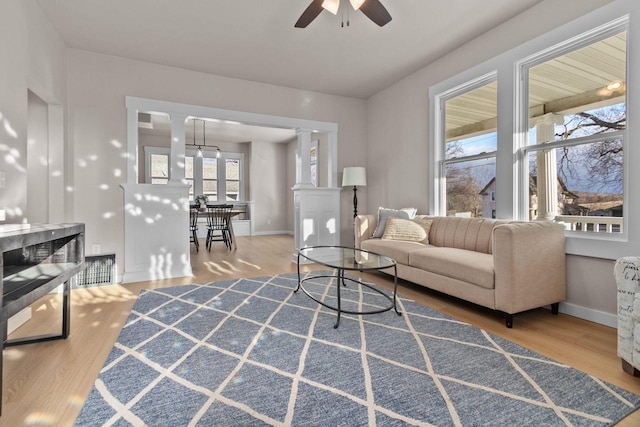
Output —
<point x="218" y="220"/>
<point x="193" y="227"/>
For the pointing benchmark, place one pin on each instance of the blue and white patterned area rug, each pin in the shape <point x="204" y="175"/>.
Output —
<point x="251" y="352"/>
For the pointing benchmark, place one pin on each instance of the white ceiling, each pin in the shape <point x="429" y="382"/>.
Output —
<point x="256" y="40"/>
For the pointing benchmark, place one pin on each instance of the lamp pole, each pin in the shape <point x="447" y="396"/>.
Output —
<point x="355" y="201"/>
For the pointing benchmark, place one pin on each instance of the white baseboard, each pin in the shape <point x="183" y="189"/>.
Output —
<point x="596" y="316"/>
<point x="146" y="276"/>
<point x="267" y="233"/>
<point x="19" y="319"/>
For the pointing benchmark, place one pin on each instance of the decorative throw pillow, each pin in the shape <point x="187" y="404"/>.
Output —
<point x="416" y="230"/>
<point x="383" y="214"/>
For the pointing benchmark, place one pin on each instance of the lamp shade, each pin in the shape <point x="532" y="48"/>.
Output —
<point x="356" y="4"/>
<point x="331" y="5"/>
<point x="353" y="176"/>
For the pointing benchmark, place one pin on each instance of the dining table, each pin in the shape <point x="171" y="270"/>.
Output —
<point x="234" y="213"/>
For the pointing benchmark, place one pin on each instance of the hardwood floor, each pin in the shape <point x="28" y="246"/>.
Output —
<point x="47" y="383"/>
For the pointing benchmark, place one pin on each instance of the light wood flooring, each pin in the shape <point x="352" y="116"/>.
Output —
<point x="47" y="383"/>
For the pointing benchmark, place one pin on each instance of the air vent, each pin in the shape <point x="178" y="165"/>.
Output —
<point x="144" y="121"/>
<point x="100" y="270"/>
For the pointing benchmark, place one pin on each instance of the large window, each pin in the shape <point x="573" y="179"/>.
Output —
<point x="210" y="177"/>
<point x="574" y="147"/>
<point x="468" y="149"/>
<point x="232" y="178"/>
<point x="562" y="158"/>
<point x="219" y="178"/>
<point x="557" y="146"/>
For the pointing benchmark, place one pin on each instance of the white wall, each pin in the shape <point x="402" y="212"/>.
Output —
<point x="98" y="85"/>
<point x="37" y="160"/>
<point x="269" y="187"/>
<point x="398" y="117"/>
<point x="33" y="57"/>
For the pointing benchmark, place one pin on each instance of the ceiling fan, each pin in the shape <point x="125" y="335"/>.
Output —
<point x="373" y="9"/>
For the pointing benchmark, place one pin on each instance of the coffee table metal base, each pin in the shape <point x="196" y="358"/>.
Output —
<point x="342" y="281"/>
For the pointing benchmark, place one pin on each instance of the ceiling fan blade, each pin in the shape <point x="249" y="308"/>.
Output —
<point x="310" y="13"/>
<point x="376" y="12"/>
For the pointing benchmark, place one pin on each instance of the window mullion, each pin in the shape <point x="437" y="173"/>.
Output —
<point x="599" y="137"/>
<point x="470" y="158"/>
<point x="222" y="178"/>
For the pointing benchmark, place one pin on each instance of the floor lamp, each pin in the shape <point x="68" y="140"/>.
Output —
<point x="354" y="176"/>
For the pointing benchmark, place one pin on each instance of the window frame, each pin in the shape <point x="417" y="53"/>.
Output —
<point x="222" y="175"/>
<point x="521" y="124"/>
<point x="438" y="147"/>
<point x="148" y="152"/>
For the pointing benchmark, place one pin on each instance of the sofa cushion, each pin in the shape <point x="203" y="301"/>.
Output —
<point x="468" y="266"/>
<point x="383" y="214"/>
<point x="397" y="249"/>
<point x="473" y="234"/>
<point x="416" y="230"/>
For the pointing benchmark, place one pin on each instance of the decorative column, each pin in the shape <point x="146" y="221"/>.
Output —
<point x="316" y="210"/>
<point x="303" y="158"/>
<point x="178" y="132"/>
<point x="156" y="217"/>
<point x="132" y="145"/>
<point x="332" y="159"/>
<point x="547" y="184"/>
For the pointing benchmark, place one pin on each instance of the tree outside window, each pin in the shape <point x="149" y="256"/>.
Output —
<point x="575" y="143"/>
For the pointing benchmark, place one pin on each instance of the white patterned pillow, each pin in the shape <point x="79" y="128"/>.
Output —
<point x="416" y="230"/>
<point x="384" y="214"/>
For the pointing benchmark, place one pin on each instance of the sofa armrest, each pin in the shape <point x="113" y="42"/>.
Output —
<point x="529" y="263"/>
<point x="364" y="227"/>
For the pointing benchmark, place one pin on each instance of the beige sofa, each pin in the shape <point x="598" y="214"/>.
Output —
<point x="507" y="266"/>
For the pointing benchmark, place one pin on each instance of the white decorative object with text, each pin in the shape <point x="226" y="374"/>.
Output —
<point x="627" y="274"/>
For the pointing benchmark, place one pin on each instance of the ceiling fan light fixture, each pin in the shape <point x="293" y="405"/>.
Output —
<point x="356" y="3"/>
<point x="372" y="9"/>
<point x="331" y="5"/>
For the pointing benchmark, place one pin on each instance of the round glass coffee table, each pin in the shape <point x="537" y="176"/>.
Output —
<point x="348" y="259"/>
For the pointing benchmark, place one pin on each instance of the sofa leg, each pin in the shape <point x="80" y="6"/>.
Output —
<point x="630" y="369"/>
<point x="509" y="320"/>
<point x="555" y="308"/>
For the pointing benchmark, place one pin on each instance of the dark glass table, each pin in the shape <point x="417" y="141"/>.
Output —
<point x="348" y="259"/>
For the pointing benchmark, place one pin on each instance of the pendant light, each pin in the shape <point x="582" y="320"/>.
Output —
<point x="204" y="139"/>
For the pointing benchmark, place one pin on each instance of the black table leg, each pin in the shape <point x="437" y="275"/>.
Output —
<point x="66" y="309"/>
<point x="298" y="263"/>
<point x="339" y="282"/>
<point x="395" y="289"/>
